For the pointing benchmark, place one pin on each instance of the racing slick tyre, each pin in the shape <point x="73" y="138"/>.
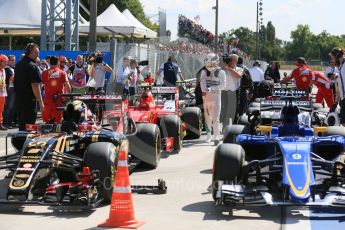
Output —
<point x="227" y="165"/>
<point x="335" y="130"/>
<point x="317" y="106"/>
<point x="102" y="156"/>
<point x="146" y="144"/>
<point x="191" y="116"/>
<point x="243" y="120"/>
<point x="171" y="126"/>
<point x="231" y="131"/>
<point x="252" y="109"/>
<point x="332" y="119"/>
<point x="254" y="104"/>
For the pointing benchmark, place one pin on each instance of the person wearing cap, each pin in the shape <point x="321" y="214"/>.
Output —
<point x="302" y="75"/>
<point x="337" y="56"/>
<point x="3" y="92"/>
<point x="63" y="62"/>
<point x="257" y="76"/>
<point x="54" y="81"/>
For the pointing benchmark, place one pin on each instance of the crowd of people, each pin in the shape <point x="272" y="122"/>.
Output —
<point x="32" y="84"/>
<point x="196" y="31"/>
<point x="204" y="40"/>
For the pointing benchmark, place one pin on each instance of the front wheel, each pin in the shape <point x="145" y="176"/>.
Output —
<point x="227" y="165"/>
<point x="171" y="127"/>
<point x="231" y="131"/>
<point x="146" y="144"/>
<point x="102" y="156"/>
<point x="191" y="116"/>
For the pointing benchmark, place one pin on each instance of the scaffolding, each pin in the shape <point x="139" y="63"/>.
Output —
<point x="60" y="24"/>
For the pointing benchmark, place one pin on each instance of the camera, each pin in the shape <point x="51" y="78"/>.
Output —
<point x="98" y="59"/>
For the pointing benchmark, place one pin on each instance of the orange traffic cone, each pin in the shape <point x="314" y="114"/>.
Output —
<point x="121" y="209"/>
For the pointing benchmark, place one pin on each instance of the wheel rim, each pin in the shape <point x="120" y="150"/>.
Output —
<point x="158" y="147"/>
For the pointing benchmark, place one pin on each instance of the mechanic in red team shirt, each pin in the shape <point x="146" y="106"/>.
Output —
<point x="54" y="80"/>
<point x="302" y="75"/>
<point x="324" y="90"/>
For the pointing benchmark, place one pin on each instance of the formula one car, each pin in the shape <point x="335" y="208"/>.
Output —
<point x="67" y="166"/>
<point x="280" y="165"/>
<point x="318" y="115"/>
<point x="162" y="120"/>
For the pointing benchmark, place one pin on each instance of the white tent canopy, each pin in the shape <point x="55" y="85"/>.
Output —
<point x="30" y="16"/>
<point x="114" y="20"/>
<point x="148" y="32"/>
<point x="22" y="17"/>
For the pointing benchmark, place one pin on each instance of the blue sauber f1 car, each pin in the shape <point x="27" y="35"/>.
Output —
<point x="282" y="165"/>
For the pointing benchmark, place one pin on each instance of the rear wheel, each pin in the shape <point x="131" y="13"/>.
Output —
<point x="171" y="127"/>
<point x="227" y="165"/>
<point x="243" y="120"/>
<point x="231" y="131"/>
<point x="335" y="130"/>
<point x="146" y="144"/>
<point x="102" y="156"/>
<point x="191" y="116"/>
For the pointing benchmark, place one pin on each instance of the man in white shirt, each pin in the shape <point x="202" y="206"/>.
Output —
<point x="233" y="82"/>
<point x="97" y="72"/>
<point x="337" y="56"/>
<point x="121" y="76"/>
<point x="257" y="76"/>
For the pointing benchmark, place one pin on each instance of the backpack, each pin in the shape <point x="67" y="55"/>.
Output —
<point x="170" y="73"/>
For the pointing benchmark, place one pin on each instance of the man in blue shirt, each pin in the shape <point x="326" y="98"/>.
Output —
<point x="172" y="72"/>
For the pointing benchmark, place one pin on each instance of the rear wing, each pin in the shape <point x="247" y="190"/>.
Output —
<point x="161" y="90"/>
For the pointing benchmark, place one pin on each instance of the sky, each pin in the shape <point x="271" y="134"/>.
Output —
<point x="285" y="14"/>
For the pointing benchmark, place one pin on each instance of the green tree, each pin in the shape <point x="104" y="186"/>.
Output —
<point x="302" y="44"/>
<point x="271" y="33"/>
<point x="246" y="37"/>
